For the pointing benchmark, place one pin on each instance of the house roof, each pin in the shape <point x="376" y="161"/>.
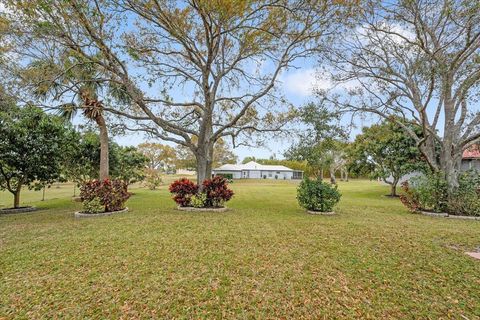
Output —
<point x="252" y="165"/>
<point x="471" y="153"/>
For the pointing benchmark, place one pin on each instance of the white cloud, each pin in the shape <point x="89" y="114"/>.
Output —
<point x="304" y="82"/>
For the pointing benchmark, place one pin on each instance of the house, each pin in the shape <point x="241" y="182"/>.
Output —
<point x="253" y="170"/>
<point x="471" y="159"/>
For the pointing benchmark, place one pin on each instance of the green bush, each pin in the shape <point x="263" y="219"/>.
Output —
<point x="199" y="200"/>
<point x="466" y="199"/>
<point x="317" y="195"/>
<point x="93" y="206"/>
<point x="228" y="176"/>
<point x="431" y="192"/>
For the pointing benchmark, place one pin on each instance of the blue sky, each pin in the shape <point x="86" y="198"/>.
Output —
<point x="297" y="85"/>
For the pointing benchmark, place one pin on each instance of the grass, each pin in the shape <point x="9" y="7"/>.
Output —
<point x="265" y="259"/>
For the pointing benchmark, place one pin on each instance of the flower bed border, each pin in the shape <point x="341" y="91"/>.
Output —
<point x="17" y="210"/>
<point x="449" y="216"/>
<point x="321" y="213"/>
<point x="193" y="209"/>
<point x="80" y="214"/>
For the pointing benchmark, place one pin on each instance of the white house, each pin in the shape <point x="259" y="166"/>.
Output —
<point x="253" y="170"/>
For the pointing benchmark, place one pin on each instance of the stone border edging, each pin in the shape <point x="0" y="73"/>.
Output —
<point x="79" y="214"/>
<point x="193" y="209"/>
<point x="327" y="213"/>
<point x="17" y="210"/>
<point x="449" y="216"/>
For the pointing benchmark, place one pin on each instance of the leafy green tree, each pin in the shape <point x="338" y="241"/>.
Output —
<point x="32" y="145"/>
<point x="82" y="162"/>
<point x="388" y="152"/>
<point x="320" y="143"/>
<point x="58" y="78"/>
<point x="129" y="164"/>
<point x="248" y="159"/>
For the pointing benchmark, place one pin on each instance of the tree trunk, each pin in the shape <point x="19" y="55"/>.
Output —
<point x="450" y="169"/>
<point x="16" y="198"/>
<point x="333" y="180"/>
<point x="393" y="188"/>
<point x="346" y="175"/>
<point x="104" y="161"/>
<point x="204" y="158"/>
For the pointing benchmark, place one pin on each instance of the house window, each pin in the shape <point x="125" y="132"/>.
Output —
<point x="278" y="172"/>
<point x="270" y="174"/>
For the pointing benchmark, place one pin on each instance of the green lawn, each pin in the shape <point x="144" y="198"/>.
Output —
<point x="265" y="259"/>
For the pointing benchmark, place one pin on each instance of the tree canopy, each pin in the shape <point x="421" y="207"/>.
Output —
<point x="415" y="61"/>
<point x="225" y="56"/>
<point x="388" y="152"/>
<point x="32" y="149"/>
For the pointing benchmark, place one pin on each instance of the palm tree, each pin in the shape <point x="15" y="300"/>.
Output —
<point x="92" y="109"/>
<point x="79" y="81"/>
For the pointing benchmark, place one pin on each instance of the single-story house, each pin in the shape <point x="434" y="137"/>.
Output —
<point x="253" y="170"/>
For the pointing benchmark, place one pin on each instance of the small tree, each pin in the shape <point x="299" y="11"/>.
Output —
<point x="32" y="146"/>
<point x="319" y="144"/>
<point x="82" y="160"/>
<point x="388" y="152"/>
<point x="129" y="164"/>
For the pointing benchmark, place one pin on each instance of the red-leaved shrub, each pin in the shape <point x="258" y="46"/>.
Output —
<point x="183" y="190"/>
<point x="409" y="198"/>
<point x="113" y="194"/>
<point x="217" y="191"/>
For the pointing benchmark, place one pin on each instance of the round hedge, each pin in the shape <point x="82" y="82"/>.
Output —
<point x="316" y="195"/>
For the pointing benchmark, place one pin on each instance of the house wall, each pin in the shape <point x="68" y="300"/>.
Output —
<point x="257" y="174"/>
<point x="281" y="175"/>
<point x="470" y="164"/>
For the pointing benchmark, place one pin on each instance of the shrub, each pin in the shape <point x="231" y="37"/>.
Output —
<point x="228" y="176"/>
<point x="409" y="198"/>
<point x="113" y="194"/>
<point x="183" y="190"/>
<point x="466" y="199"/>
<point x="93" y="206"/>
<point x="198" y="200"/>
<point x="431" y="191"/>
<point x="153" y="179"/>
<point x="317" y="195"/>
<point x="216" y="191"/>
<point x="425" y="192"/>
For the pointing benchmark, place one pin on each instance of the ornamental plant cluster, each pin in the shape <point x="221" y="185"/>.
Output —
<point x="429" y="193"/>
<point x="110" y="194"/>
<point x="215" y="193"/>
<point x="317" y="195"/>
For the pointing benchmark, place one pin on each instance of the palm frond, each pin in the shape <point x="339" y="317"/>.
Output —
<point x="67" y="111"/>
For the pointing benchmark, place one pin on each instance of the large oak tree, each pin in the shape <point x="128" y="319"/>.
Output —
<point x="416" y="60"/>
<point x="193" y="68"/>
